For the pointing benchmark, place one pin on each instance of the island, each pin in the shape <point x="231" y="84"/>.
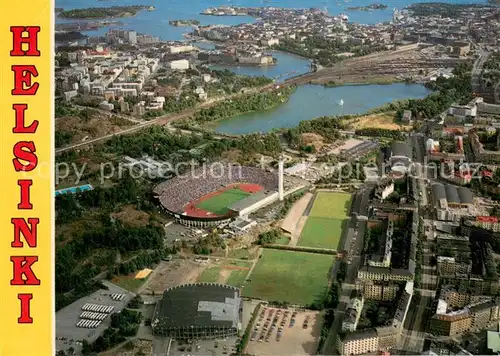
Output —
<point x="58" y="9"/>
<point x="104" y="12"/>
<point x="368" y="7"/>
<point x="184" y="23"/>
<point x="85" y="25"/>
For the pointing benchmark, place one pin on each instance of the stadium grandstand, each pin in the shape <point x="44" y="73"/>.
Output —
<point x="198" y="311"/>
<point x="203" y="199"/>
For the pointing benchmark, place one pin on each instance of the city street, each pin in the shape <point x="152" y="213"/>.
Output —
<point x="353" y="244"/>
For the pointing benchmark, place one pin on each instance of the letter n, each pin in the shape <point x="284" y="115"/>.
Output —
<point x="27" y="228"/>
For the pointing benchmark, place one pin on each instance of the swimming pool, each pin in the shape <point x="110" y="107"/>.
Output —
<point x="73" y="190"/>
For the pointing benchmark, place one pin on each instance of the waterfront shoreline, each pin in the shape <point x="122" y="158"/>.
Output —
<point x="210" y="125"/>
<point x="315" y="98"/>
<point x="99" y="13"/>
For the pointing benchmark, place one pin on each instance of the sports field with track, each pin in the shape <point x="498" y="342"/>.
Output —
<point x="218" y="204"/>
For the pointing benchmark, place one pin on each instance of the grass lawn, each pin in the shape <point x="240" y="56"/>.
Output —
<point x="129" y="282"/>
<point x="296" y="277"/>
<point x="241" y="253"/>
<point x="331" y="205"/>
<point x="243" y="264"/>
<point x="210" y="275"/>
<point x="321" y="233"/>
<point x="219" y="203"/>
<point x="237" y="278"/>
<point x="283" y="240"/>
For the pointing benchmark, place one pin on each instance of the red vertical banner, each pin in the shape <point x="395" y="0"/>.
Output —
<point x="26" y="202"/>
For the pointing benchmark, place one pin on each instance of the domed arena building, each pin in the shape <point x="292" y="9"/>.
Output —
<point x="198" y="311"/>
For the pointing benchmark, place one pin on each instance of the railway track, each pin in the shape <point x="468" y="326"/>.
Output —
<point x="382" y="63"/>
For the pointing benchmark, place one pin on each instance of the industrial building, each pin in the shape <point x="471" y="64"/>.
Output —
<point x="449" y="199"/>
<point x="198" y="311"/>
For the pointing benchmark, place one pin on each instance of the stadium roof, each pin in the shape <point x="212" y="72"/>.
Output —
<point x="199" y="305"/>
<point x="250" y="200"/>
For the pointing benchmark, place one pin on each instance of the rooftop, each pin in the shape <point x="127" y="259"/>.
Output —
<point x="199" y="305"/>
<point x="251" y="200"/>
<point x="400" y="149"/>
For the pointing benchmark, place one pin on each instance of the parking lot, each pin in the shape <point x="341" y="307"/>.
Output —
<point x="69" y="335"/>
<point x="176" y="233"/>
<point x="285" y="332"/>
<point x="219" y="347"/>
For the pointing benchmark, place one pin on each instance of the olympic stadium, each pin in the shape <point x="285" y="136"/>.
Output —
<point x="204" y="198"/>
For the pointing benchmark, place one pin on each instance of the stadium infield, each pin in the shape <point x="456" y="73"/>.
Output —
<point x="216" y="203"/>
<point x="299" y="278"/>
<point x="326" y="220"/>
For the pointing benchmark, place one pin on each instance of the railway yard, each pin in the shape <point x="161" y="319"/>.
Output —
<point x="412" y="62"/>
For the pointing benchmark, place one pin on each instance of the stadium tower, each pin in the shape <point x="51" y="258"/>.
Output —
<point x="280" y="180"/>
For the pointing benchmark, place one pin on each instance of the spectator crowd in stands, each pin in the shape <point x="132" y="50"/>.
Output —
<point x="174" y="194"/>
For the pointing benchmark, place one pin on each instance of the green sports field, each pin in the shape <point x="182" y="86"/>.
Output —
<point x="219" y="203"/>
<point x="295" y="277"/>
<point x="331" y="205"/>
<point x="326" y="220"/>
<point x="233" y="277"/>
<point x="321" y="233"/>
